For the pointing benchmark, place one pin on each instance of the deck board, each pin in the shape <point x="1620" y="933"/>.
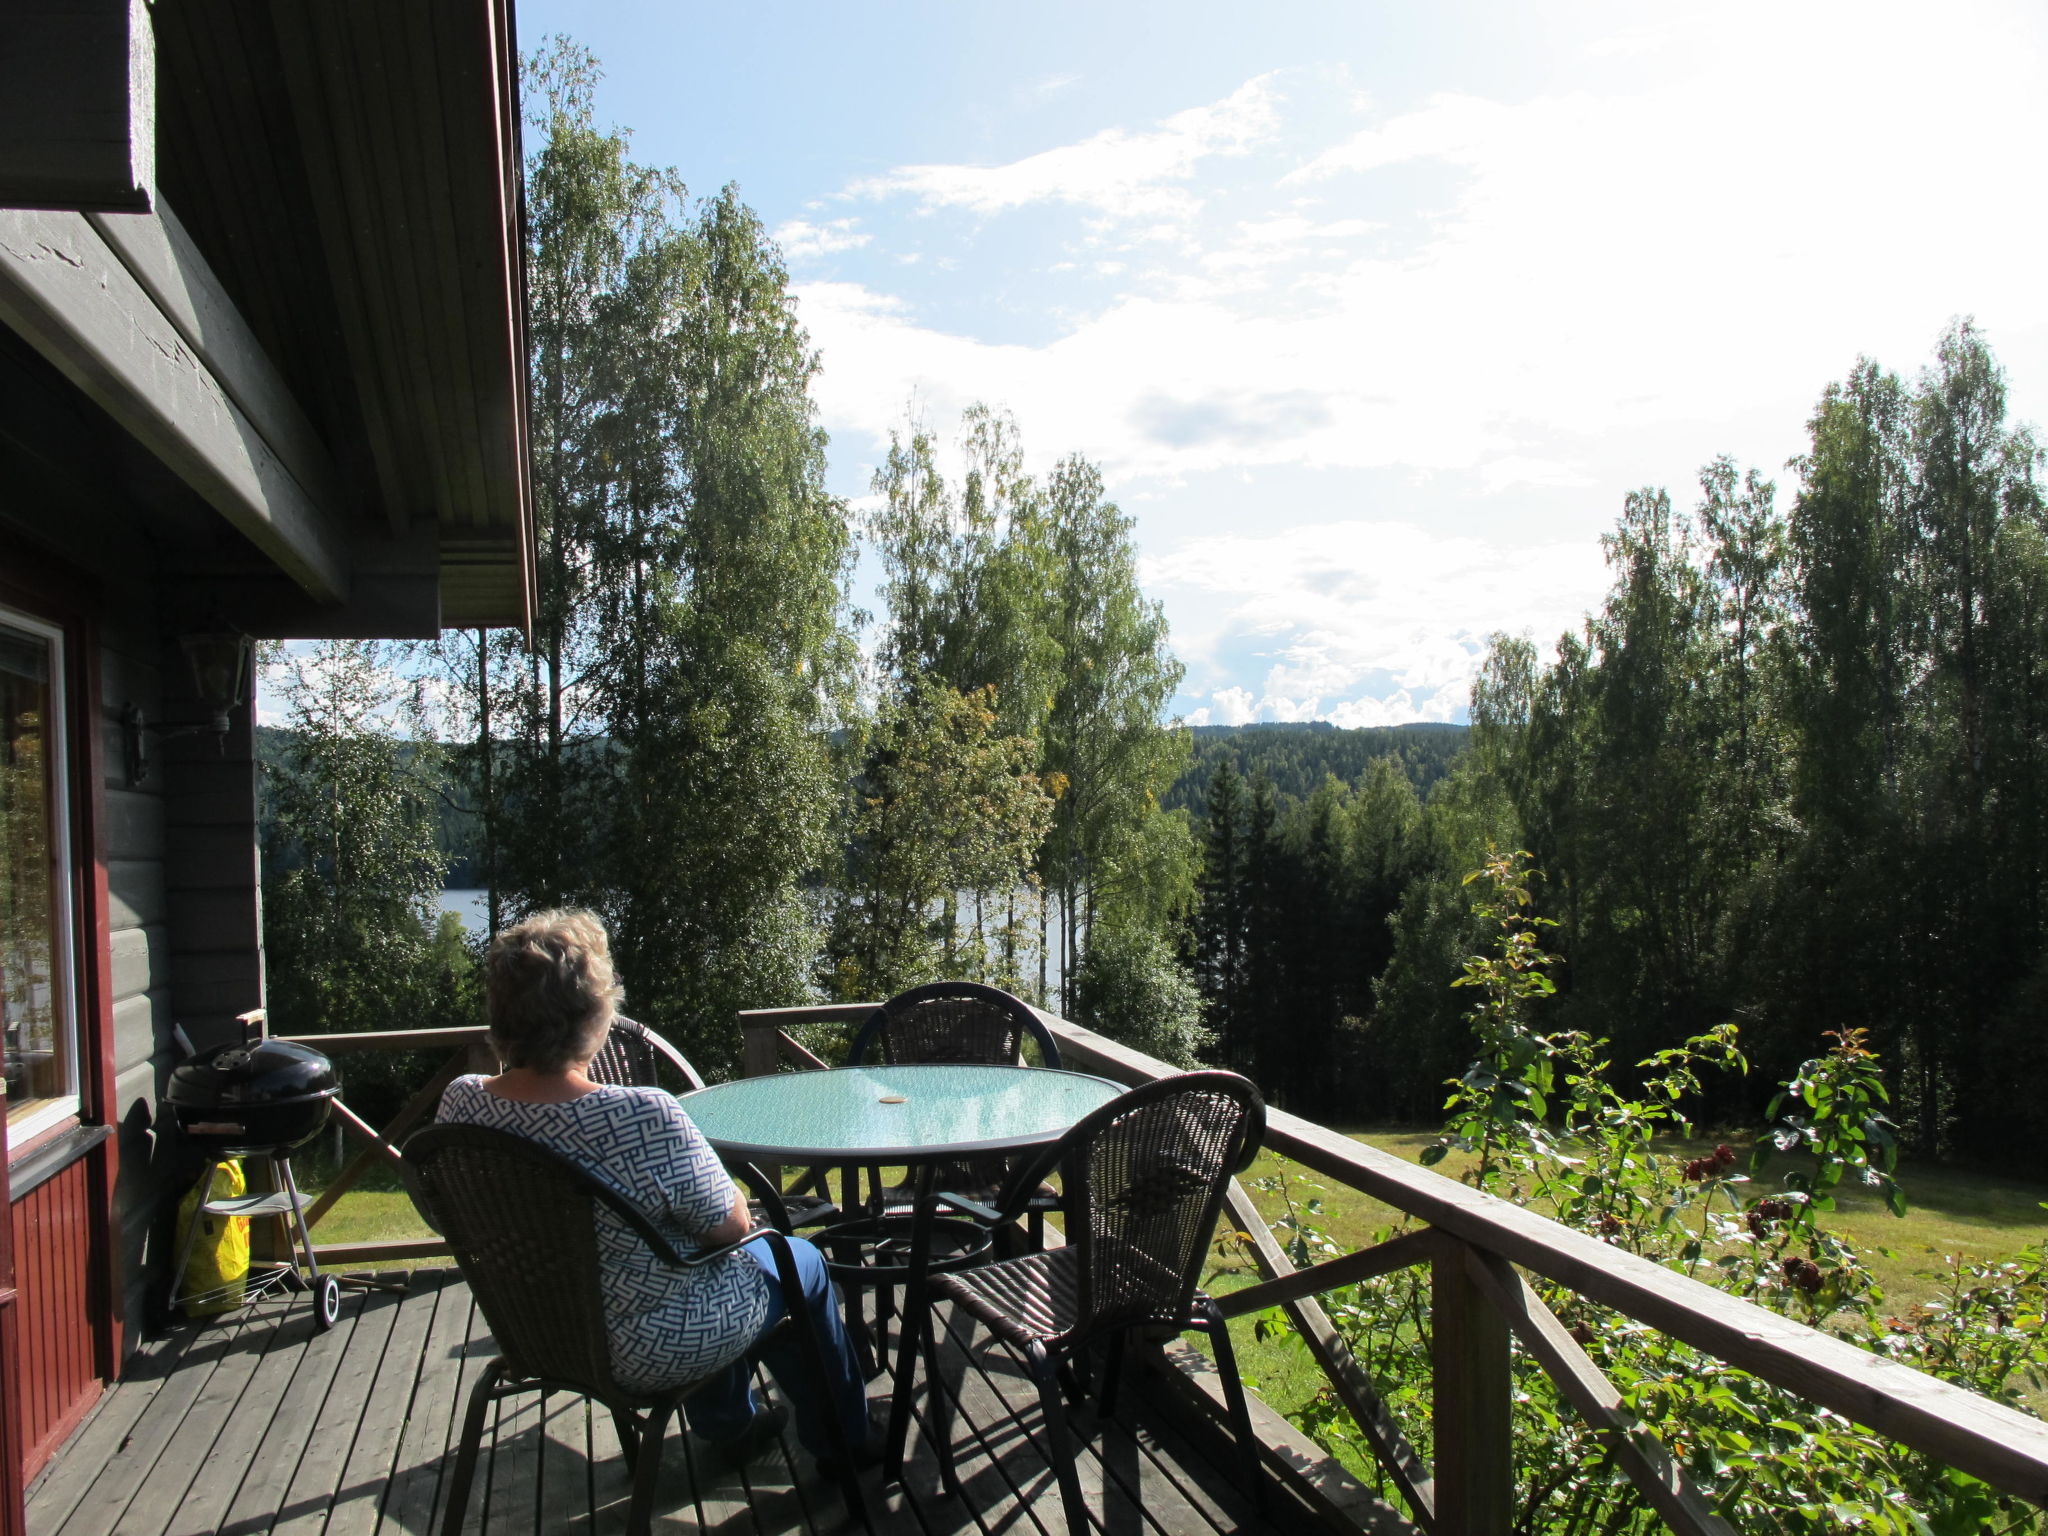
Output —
<point x="201" y="1478"/>
<point x="342" y="1419"/>
<point x="260" y="1502"/>
<point x="365" y="1474"/>
<point x="179" y="1502"/>
<point x="255" y="1425"/>
<point x="409" y="1502"/>
<point x="68" y="1480"/>
<point x="1015" y="1397"/>
<point x="127" y="1464"/>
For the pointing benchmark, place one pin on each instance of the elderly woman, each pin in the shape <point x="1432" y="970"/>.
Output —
<point x="551" y="996"/>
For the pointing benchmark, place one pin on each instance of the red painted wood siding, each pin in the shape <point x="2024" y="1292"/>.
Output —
<point x="54" y="1314"/>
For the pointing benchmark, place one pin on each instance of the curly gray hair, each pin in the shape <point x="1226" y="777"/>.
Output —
<point x="549" y="990"/>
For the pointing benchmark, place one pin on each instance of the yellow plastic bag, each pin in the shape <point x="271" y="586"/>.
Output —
<point x="219" y="1265"/>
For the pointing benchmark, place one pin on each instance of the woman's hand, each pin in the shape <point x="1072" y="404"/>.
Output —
<point x="735" y="1226"/>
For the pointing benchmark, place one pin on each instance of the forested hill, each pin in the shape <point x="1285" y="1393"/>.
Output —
<point x="1296" y="756"/>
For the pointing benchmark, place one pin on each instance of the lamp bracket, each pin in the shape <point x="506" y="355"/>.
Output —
<point x="136" y="730"/>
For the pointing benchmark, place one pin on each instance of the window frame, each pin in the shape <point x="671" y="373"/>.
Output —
<point x="52" y="1113"/>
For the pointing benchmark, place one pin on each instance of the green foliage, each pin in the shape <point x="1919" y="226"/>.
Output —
<point x="1026" y="591"/>
<point x="1105" y="748"/>
<point x="1293" y="929"/>
<point x="1504" y="1097"/>
<point x="353" y="937"/>
<point x="1133" y="988"/>
<point x="1297" y="757"/>
<point x="947" y="806"/>
<point x="1795" y="770"/>
<point x="1554" y="1129"/>
<point x="661" y="752"/>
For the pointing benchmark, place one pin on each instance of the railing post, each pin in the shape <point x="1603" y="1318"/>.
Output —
<point x="758" y="1056"/>
<point x="1475" y="1471"/>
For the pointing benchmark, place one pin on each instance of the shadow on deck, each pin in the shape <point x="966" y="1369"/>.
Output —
<point x="254" y="1423"/>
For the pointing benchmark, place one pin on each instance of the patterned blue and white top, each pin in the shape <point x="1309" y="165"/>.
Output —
<point x="666" y="1325"/>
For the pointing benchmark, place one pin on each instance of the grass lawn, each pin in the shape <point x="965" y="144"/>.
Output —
<point x="1953" y="1210"/>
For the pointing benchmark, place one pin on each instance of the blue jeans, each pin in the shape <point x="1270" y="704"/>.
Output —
<point x="724" y="1405"/>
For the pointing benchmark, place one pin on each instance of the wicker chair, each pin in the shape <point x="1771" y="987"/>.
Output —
<point x="634" y="1056"/>
<point x="522" y="1224"/>
<point x="955" y="1021"/>
<point x="1145" y="1177"/>
<point x="940" y="1022"/>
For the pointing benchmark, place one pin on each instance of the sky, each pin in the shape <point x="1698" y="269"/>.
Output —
<point x="1371" y="314"/>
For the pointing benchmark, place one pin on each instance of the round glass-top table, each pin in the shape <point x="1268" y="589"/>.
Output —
<point x="917" y="1116"/>
<point x="884" y="1114"/>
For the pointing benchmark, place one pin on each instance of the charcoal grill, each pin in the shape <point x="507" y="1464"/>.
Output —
<point x="258" y="1098"/>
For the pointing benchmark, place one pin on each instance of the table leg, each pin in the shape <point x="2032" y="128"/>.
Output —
<point x="911" y="1325"/>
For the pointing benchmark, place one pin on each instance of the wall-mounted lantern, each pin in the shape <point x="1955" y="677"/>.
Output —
<point x="220" y="675"/>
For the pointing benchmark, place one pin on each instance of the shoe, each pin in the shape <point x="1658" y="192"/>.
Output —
<point x="766" y="1429"/>
<point x="871" y="1448"/>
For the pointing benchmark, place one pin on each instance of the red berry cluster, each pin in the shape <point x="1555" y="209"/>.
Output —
<point x="1803" y="1273"/>
<point x="1715" y="1163"/>
<point x="1764" y="1212"/>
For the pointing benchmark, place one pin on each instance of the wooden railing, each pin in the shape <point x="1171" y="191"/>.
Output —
<point x="467" y="1052"/>
<point x="1477" y="1247"/>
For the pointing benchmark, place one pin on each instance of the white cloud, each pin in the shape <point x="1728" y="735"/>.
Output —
<point x="802" y="240"/>
<point x="1516" y="469"/>
<point x="1362" y="622"/>
<point x="1231" y="706"/>
<point x="1128" y="175"/>
<point x="1576" y="274"/>
<point x="1518" y="296"/>
<point x="1051" y="86"/>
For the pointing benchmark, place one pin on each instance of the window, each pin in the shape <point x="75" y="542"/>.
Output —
<point x="38" y="999"/>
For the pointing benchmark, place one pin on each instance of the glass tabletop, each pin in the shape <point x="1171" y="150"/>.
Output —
<point x="893" y="1114"/>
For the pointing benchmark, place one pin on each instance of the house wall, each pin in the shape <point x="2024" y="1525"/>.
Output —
<point x="185" y="929"/>
<point x="182" y="930"/>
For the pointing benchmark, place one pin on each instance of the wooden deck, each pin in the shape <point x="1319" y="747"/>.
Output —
<point x="254" y="1423"/>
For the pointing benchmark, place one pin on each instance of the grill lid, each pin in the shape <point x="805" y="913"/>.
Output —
<point x="265" y="1072"/>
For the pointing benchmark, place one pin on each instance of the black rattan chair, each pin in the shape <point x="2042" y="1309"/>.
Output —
<point x="634" y="1056"/>
<point x="1145" y="1178"/>
<point x="522" y="1222"/>
<point x="956" y="1021"/>
<point x="961" y="1022"/>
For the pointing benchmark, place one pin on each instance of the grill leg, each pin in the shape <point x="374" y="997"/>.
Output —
<point x="298" y="1219"/>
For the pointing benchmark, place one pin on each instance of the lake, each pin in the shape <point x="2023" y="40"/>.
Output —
<point x="472" y="906"/>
